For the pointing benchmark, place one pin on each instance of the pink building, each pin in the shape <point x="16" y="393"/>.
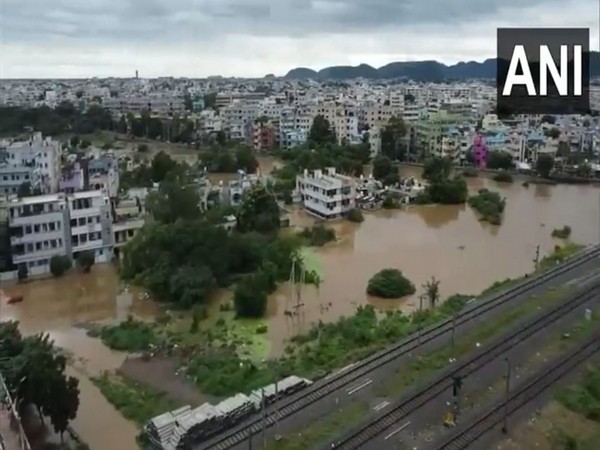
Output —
<point x="480" y="151"/>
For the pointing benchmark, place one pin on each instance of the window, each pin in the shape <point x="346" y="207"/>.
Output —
<point x="81" y="221"/>
<point x="27" y="229"/>
<point x="83" y="238"/>
<point x="38" y="246"/>
<point x="36" y="228"/>
<point x="44" y="227"/>
<point x="52" y="226"/>
<point x="29" y="248"/>
<point x="53" y="243"/>
<point x="73" y="223"/>
<point x="90" y="220"/>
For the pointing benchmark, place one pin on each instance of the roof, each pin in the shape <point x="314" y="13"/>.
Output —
<point x="38" y="199"/>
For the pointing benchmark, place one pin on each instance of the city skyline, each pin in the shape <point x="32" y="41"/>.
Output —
<point x="196" y="38"/>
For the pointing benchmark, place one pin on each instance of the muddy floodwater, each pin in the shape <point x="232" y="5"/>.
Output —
<point x="448" y="242"/>
<point x="60" y="307"/>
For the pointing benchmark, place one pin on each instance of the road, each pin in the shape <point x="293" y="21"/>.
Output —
<point x="425" y="426"/>
<point x="364" y="389"/>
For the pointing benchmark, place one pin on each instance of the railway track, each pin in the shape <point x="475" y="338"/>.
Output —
<point x="531" y="389"/>
<point x="380" y="422"/>
<point x="288" y="407"/>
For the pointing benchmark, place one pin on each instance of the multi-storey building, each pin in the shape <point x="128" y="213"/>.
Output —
<point x="91" y="224"/>
<point x="103" y="174"/>
<point x="263" y="135"/>
<point x="160" y="105"/>
<point x="36" y="161"/>
<point x="39" y="229"/>
<point x="326" y="195"/>
<point x="72" y="178"/>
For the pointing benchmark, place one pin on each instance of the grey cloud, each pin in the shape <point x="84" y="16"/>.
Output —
<point x="173" y="21"/>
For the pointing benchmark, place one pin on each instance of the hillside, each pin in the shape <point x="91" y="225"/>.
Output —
<point x="415" y="70"/>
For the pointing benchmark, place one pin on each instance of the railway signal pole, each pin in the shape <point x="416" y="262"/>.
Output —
<point x="507" y="392"/>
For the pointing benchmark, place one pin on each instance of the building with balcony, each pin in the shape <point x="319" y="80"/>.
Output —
<point x="72" y="178"/>
<point x="36" y="160"/>
<point x="39" y="229"/>
<point x="103" y="174"/>
<point x="326" y="195"/>
<point x="91" y="224"/>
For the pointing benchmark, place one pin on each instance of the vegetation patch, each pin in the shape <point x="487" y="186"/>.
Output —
<point x="355" y="215"/>
<point x="489" y="205"/>
<point x="135" y="401"/>
<point x="470" y="172"/>
<point x="131" y="335"/>
<point x="559" y="255"/>
<point x="562" y="233"/>
<point x="318" y="235"/>
<point x="503" y="177"/>
<point x="390" y="283"/>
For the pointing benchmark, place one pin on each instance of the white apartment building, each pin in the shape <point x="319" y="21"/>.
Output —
<point x="163" y="105"/>
<point x="37" y="156"/>
<point x="39" y="229"/>
<point x="326" y="195"/>
<point x="103" y="174"/>
<point x="91" y="224"/>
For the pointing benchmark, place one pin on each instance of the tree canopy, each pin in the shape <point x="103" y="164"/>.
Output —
<point x="35" y="373"/>
<point x="390" y="283"/>
<point x="391" y="135"/>
<point x="544" y="164"/>
<point x="258" y="212"/>
<point x="320" y="132"/>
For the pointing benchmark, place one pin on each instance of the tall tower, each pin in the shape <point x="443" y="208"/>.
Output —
<point x="136" y="74"/>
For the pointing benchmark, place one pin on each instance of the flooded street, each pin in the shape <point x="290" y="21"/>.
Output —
<point x="60" y="307"/>
<point x="448" y="242"/>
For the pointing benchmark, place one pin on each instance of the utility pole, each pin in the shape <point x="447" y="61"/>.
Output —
<point x="536" y="260"/>
<point x="249" y="439"/>
<point x="421" y="297"/>
<point x="264" y="421"/>
<point x="505" y="425"/>
<point x="456" y="386"/>
<point x="453" y="335"/>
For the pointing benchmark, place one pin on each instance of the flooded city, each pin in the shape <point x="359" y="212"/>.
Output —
<point x="448" y="242"/>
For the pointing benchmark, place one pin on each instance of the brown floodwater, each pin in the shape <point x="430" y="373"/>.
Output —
<point x="448" y="242"/>
<point x="60" y="307"/>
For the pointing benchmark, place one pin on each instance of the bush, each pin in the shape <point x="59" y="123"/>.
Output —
<point x="562" y="233"/>
<point x="22" y="272"/>
<point x="59" y="265"/>
<point x="389" y="202"/>
<point x="143" y="148"/>
<point x="86" y="260"/>
<point x="318" y="235"/>
<point x="390" y="283"/>
<point x="355" y="215"/>
<point x="250" y="297"/>
<point x="131" y="336"/>
<point x="262" y="329"/>
<point x="503" y="177"/>
<point x="489" y="205"/>
<point x="470" y="172"/>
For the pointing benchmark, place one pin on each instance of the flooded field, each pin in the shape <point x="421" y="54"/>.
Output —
<point x="447" y="242"/>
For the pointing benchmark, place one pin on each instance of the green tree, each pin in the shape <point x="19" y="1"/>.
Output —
<point x="544" y="164"/>
<point x="355" y="215"/>
<point x="188" y="102"/>
<point x="500" y="160"/>
<point x="85" y="143"/>
<point x="320" y="132"/>
<point x="390" y="283"/>
<point x="122" y="125"/>
<point x="436" y="169"/>
<point x="85" y="260"/>
<point x="250" y="297"/>
<point x="75" y="141"/>
<point x="162" y="164"/>
<point x="191" y="285"/>
<point x="391" y="139"/>
<point x="246" y="160"/>
<point x="383" y="168"/>
<point x="59" y="264"/>
<point x="65" y="403"/>
<point x="174" y="199"/>
<point x="258" y="212"/>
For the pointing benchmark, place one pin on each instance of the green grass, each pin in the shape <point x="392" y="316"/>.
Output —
<point x="415" y="372"/>
<point x="131" y="336"/>
<point x="321" y="430"/>
<point x="136" y="402"/>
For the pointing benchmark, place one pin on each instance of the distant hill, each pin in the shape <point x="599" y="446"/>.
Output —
<point x="427" y="71"/>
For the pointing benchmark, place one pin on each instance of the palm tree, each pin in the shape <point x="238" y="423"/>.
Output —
<point x="432" y="290"/>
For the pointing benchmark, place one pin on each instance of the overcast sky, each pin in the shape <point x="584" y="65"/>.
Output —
<point x="197" y="38"/>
